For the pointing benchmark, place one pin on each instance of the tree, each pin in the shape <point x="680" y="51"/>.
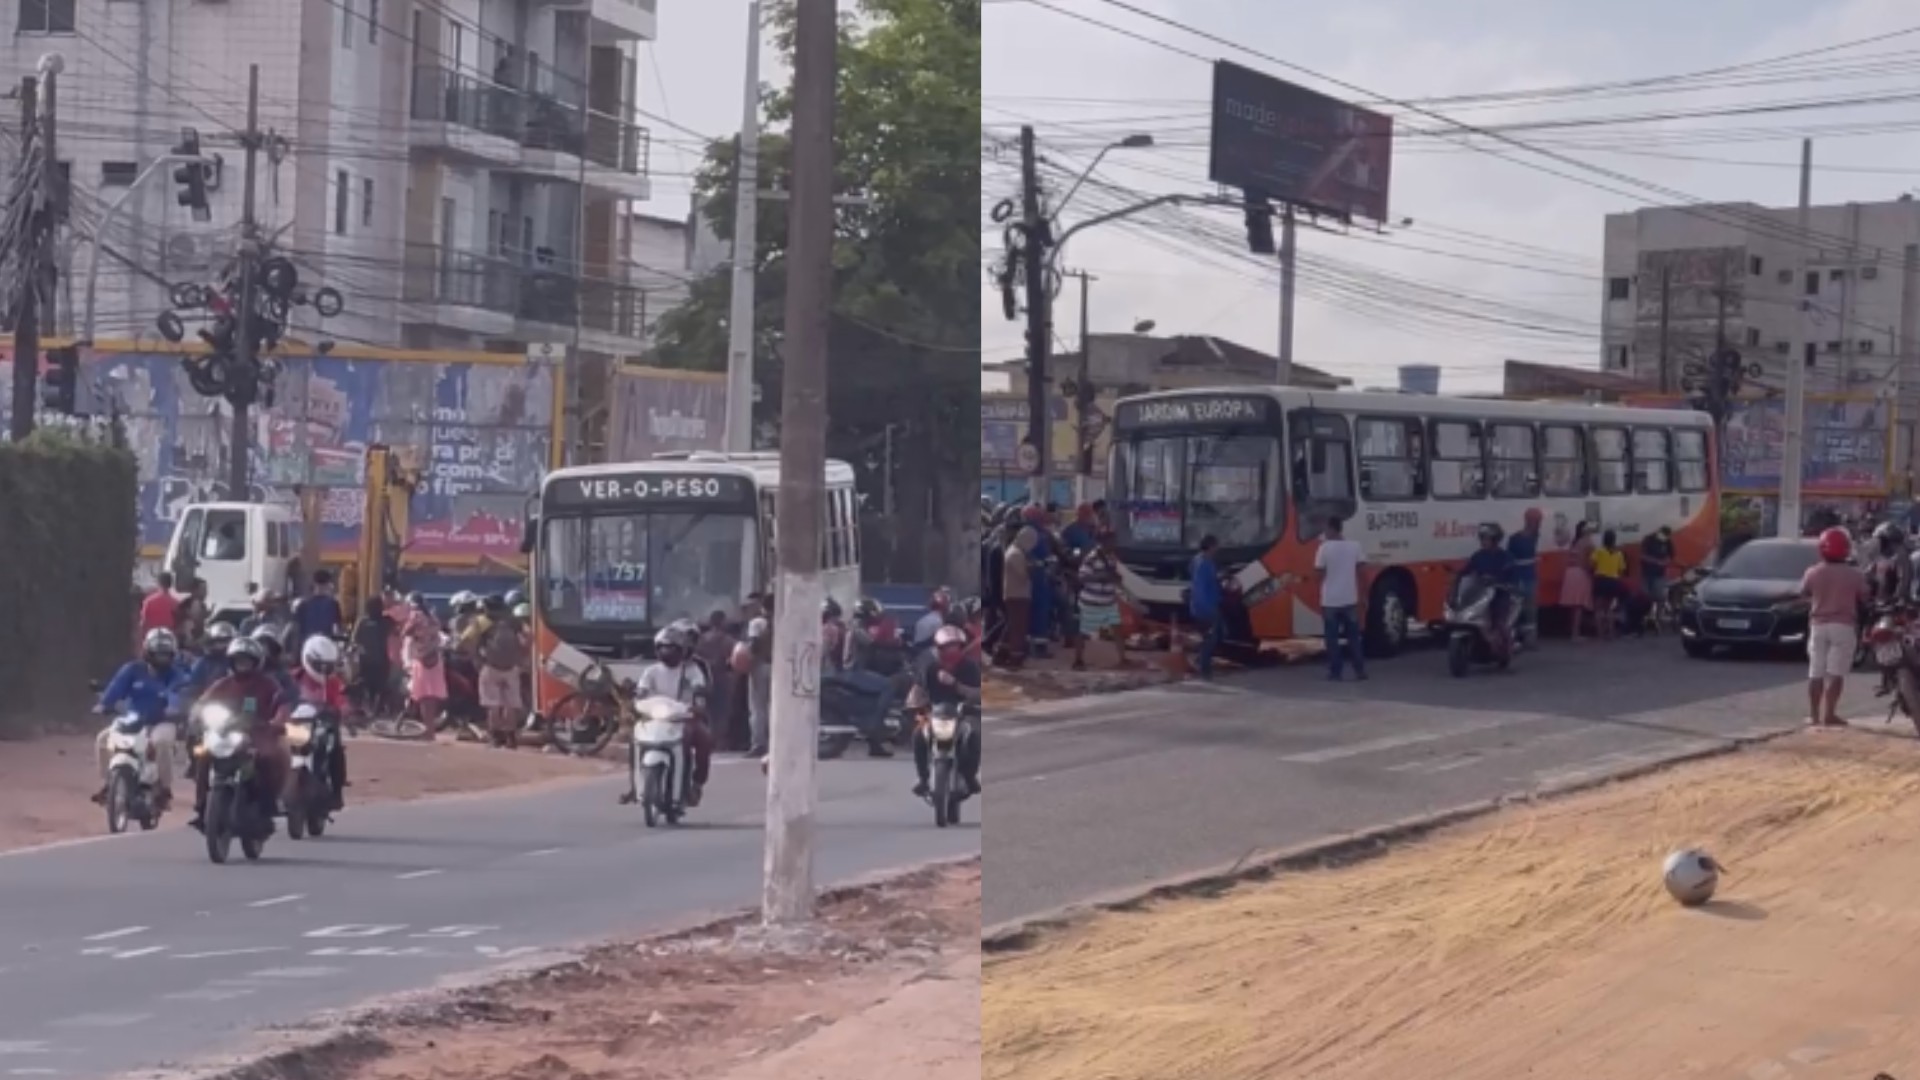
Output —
<point x="904" y="360"/>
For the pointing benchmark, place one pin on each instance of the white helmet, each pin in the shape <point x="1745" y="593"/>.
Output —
<point x="320" y="656"/>
<point x="1691" y="876"/>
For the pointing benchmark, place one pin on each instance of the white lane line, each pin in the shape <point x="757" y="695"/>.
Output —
<point x="545" y="851"/>
<point x="254" y="951"/>
<point x="414" y="875"/>
<point x="275" y="901"/>
<point x="1410" y="738"/>
<point x="125" y="931"/>
<point x="131" y="953"/>
<point x="1139" y="711"/>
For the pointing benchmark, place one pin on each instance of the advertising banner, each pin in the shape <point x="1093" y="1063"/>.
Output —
<point x="1003" y="427"/>
<point x="657" y="411"/>
<point x="1848" y="445"/>
<point x="482" y="433"/>
<point x="1298" y="146"/>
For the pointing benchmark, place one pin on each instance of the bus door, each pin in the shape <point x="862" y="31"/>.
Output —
<point x="1320" y="471"/>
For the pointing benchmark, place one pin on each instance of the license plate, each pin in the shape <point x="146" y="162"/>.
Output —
<point x="1735" y="624"/>
<point x="1888" y="654"/>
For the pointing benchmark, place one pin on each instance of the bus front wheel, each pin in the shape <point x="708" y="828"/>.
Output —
<point x="1389" y="612"/>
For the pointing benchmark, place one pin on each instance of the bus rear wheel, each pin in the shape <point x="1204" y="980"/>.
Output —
<point x="1389" y="613"/>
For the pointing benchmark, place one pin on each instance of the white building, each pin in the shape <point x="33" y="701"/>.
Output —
<point x="458" y="169"/>
<point x="665" y="256"/>
<point x="1840" y="298"/>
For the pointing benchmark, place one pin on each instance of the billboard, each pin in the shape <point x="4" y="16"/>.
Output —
<point x="482" y="433"/>
<point x="1003" y="427"/>
<point x="1848" y="447"/>
<point x="1292" y="144"/>
<point x="656" y="411"/>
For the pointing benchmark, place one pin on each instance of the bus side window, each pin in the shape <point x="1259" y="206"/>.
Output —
<point x="1391" y="465"/>
<point x="1652" y="461"/>
<point x="1516" y="470"/>
<point x="1459" y="460"/>
<point x="1690" y="460"/>
<point x="853" y="528"/>
<point x="1563" y="461"/>
<point x="1612" y="463"/>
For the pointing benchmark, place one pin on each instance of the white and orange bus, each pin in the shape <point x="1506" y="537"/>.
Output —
<point x="1413" y="477"/>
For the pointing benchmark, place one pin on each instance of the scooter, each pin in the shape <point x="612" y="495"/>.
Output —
<point x="133" y="776"/>
<point x="1894" y="638"/>
<point x="947" y="726"/>
<point x="313" y="792"/>
<point x="233" y="813"/>
<point x="662" y="763"/>
<point x="1471" y="635"/>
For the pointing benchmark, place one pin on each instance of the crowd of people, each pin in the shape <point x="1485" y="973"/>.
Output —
<point x="1049" y="580"/>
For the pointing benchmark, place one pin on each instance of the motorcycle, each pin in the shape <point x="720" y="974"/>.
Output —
<point x="662" y="763"/>
<point x="313" y="735"/>
<point x="232" y="811"/>
<point x="133" y="776"/>
<point x="1471" y="635"/>
<point x="840" y="701"/>
<point x="1894" y="639"/>
<point x="947" y="726"/>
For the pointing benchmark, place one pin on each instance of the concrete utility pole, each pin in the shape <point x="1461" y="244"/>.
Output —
<point x="746" y="213"/>
<point x="1083" y="397"/>
<point x="1283" y="374"/>
<point x="787" y="897"/>
<point x="26" y="303"/>
<point x="1792" y="454"/>
<point x="1039" y="323"/>
<point x="240" y="474"/>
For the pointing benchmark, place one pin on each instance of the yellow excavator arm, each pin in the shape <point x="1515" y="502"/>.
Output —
<point x="390" y="485"/>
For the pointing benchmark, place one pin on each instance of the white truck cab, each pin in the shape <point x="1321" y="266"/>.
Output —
<point x="235" y="548"/>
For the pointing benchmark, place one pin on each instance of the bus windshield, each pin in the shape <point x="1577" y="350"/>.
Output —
<point x="1171" y="490"/>
<point x="644" y="569"/>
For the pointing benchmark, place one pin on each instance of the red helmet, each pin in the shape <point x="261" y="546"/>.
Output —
<point x="1835" y="545"/>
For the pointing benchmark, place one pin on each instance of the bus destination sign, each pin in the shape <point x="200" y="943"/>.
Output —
<point x="650" y="487"/>
<point x="1221" y="410"/>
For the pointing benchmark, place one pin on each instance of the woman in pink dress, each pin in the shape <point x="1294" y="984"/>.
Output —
<point x="426" y="668"/>
<point x="1576" y="585"/>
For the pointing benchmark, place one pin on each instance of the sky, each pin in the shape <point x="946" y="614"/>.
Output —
<point x="1083" y="86"/>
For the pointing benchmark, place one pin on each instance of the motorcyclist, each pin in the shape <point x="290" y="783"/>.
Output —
<point x="273" y="662"/>
<point x="862" y="670"/>
<point x="833" y="636"/>
<point x="150" y="688"/>
<point x="256" y="696"/>
<point x="671" y="675"/>
<point x="466" y="611"/>
<point x="929" y="624"/>
<point x="1891" y="573"/>
<point x="318" y="682"/>
<point x="1495" y="563"/>
<point x="947" y="676"/>
<point x="212" y="665"/>
<point x="269" y="614"/>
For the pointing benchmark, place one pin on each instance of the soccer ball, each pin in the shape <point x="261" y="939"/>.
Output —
<point x="1691" y="876"/>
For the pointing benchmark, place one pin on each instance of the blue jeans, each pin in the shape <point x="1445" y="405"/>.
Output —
<point x="875" y="693"/>
<point x="1343" y="640"/>
<point x="1214" y="626"/>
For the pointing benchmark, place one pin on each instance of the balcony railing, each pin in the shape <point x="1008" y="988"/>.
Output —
<point x="535" y="121"/>
<point x="525" y="288"/>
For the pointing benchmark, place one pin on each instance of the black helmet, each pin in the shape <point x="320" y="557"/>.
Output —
<point x="496" y="604"/>
<point x="1890" y="537"/>
<point x="830" y="608"/>
<point x="866" y="609"/>
<point x="247" y="649"/>
<point x="219" y="636"/>
<point x="1491" y="532"/>
<point x="515" y="598"/>
<point x="269" y="642"/>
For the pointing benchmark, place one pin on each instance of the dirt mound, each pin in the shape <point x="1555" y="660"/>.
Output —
<point x="1537" y="943"/>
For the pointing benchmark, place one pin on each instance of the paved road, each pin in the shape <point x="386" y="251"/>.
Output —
<point x="134" y="952"/>
<point x="1104" y="794"/>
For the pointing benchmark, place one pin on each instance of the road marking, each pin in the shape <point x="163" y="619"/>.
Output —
<point x="414" y="875"/>
<point x="1410" y="738"/>
<point x="1429" y="766"/>
<point x="372" y="950"/>
<point x="545" y="851"/>
<point x="496" y="952"/>
<point x="442" y="933"/>
<point x="22" y="1046"/>
<point x="1138" y="711"/>
<point x="271" y="902"/>
<point x="211" y="993"/>
<point x="313" y="972"/>
<point x="101" y="1020"/>
<point x="33" y="1072"/>
<point x="125" y="931"/>
<point x="217" y="953"/>
<point x="356" y="930"/>
<point x="114" y="952"/>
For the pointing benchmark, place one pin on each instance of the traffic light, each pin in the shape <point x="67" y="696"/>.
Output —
<point x="1259" y="225"/>
<point x="192" y="176"/>
<point x="61" y="391"/>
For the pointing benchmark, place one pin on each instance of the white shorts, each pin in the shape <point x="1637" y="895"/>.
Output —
<point x="1830" y="650"/>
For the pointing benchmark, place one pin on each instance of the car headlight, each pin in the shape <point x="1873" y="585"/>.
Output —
<point x="1792" y="607"/>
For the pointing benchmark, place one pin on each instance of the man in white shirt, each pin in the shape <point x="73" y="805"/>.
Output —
<point x="671" y="676"/>
<point x="1339" y="560"/>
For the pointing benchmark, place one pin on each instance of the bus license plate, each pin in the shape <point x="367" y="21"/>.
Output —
<point x="1734" y="624"/>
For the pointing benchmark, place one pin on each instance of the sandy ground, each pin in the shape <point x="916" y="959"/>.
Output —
<point x="892" y="992"/>
<point x="1536" y="943"/>
<point x="45" y="782"/>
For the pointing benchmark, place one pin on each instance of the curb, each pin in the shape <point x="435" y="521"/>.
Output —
<point x="1336" y="849"/>
<point x="351" y="1037"/>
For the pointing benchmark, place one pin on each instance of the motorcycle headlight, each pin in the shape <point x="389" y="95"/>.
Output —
<point x="944" y="728"/>
<point x="299" y="735"/>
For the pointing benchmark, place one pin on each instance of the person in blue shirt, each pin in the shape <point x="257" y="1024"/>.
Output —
<point x="150" y="689"/>
<point x="1493" y="562"/>
<point x="1524" y="546"/>
<point x="318" y="615"/>
<point x="212" y="665"/>
<point x="1204" y="602"/>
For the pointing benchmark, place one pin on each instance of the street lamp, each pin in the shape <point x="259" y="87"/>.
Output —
<point x="1138" y="141"/>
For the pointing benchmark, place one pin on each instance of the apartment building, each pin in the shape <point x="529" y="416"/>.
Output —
<point x="1839" y="298"/>
<point x="459" y="169"/>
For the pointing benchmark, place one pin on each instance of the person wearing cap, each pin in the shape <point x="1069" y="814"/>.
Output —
<point x="1834" y="589"/>
<point x="1082" y="532"/>
<point x="1524" y="546"/>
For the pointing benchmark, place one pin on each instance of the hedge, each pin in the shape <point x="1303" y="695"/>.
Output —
<point x="68" y="540"/>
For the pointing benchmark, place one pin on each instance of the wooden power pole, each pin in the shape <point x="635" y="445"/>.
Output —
<point x="240" y="472"/>
<point x="26" y="300"/>
<point x="787" y="897"/>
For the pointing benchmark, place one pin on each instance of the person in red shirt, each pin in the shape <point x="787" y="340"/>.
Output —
<point x="1835" y="589"/>
<point x="159" y="610"/>
<point x="249" y="691"/>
